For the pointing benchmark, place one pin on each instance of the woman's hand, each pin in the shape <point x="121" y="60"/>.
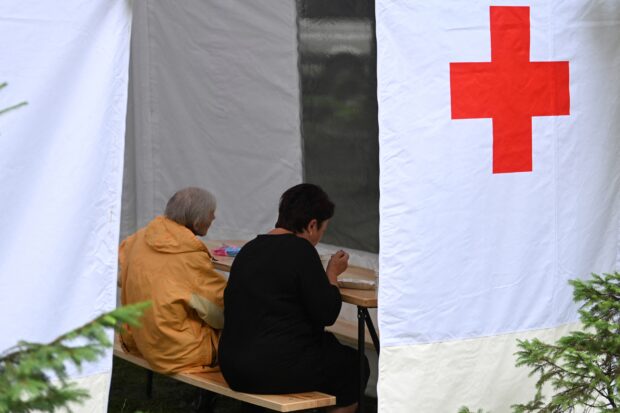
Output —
<point x="337" y="264"/>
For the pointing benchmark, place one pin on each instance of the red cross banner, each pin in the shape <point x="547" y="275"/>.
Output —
<point x="499" y="146"/>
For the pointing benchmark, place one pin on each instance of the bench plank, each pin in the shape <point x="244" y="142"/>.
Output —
<point x="215" y="383"/>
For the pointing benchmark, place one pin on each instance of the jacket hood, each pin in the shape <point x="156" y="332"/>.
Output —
<point x="165" y="235"/>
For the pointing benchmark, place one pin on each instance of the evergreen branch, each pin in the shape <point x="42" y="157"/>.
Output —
<point x="28" y="369"/>
<point x="13" y="107"/>
<point x="10" y="108"/>
<point x="583" y="366"/>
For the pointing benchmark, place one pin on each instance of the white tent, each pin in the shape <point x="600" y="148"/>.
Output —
<point x="61" y="160"/>
<point x="216" y="95"/>
<point x="213" y="101"/>
<point x="499" y="150"/>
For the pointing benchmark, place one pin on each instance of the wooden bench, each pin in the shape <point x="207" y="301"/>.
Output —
<point x="214" y="382"/>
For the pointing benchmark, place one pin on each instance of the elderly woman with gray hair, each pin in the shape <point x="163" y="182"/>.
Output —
<point x="167" y="264"/>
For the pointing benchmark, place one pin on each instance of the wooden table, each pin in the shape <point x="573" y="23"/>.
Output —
<point x="219" y="262"/>
<point x="363" y="299"/>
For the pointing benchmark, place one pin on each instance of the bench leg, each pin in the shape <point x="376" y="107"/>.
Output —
<point x="205" y="402"/>
<point x="149" y="384"/>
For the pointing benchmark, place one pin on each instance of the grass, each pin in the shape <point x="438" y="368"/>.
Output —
<point x="128" y="395"/>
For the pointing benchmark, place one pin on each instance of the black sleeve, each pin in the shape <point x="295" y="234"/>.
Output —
<point x="321" y="299"/>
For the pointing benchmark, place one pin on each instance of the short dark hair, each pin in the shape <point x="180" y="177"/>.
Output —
<point x="301" y="204"/>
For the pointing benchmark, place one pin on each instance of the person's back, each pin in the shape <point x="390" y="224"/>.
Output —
<point x="168" y="265"/>
<point x="278" y="301"/>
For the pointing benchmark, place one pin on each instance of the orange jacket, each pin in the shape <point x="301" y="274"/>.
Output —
<point x="164" y="262"/>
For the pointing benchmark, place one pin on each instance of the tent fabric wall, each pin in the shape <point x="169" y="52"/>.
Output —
<point x="471" y="259"/>
<point x="485" y="374"/>
<point x="214" y="102"/>
<point x="61" y="162"/>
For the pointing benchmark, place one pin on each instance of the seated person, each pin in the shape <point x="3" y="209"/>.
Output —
<point x="279" y="300"/>
<point x="167" y="264"/>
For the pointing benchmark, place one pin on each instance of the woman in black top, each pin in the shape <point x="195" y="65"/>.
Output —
<point x="277" y="303"/>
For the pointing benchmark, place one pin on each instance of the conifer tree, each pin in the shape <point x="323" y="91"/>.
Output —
<point x="34" y="376"/>
<point x="582" y="368"/>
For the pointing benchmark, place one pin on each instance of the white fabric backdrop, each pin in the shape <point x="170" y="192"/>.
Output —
<point x="214" y="102"/>
<point x="466" y="253"/>
<point x="61" y="162"/>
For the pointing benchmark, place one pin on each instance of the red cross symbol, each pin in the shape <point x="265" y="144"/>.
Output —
<point x="510" y="89"/>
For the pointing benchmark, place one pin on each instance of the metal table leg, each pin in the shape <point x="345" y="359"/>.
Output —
<point x="361" y="345"/>
<point x="363" y="319"/>
<point x="371" y="329"/>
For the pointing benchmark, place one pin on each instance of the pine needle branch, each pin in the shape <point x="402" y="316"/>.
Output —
<point x="13" y="107"/>
<point x="33" y="376"/>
